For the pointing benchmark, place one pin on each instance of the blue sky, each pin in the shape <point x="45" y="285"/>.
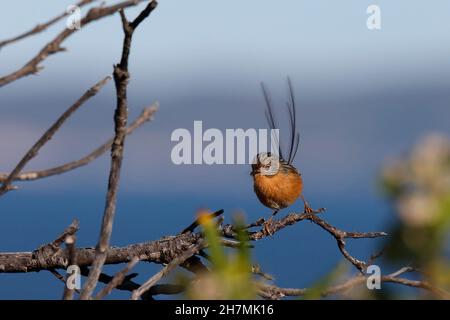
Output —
<point x="363" y="97"/>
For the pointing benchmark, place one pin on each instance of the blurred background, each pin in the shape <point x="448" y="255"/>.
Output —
<point x="365" y="98"/>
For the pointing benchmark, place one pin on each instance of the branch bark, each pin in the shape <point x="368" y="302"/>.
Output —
<point x="121" y="77"/>
<point x="160" y="251"/>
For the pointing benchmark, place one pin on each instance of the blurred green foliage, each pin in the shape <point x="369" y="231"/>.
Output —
<point x="230" y="275"/>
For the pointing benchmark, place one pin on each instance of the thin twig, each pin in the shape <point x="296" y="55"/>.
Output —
<point x="42" y="26"/>
<point x="69" y="231"/>
<point x="169" y="267"/>
<point x="72" y="253"/>
<point x="50" y="132"/>
<point x="117" y="279"/>
<point x="146" y="115"/>
<point x="130" y="286"/>
<point x="274" y="292"/>
<point x="60" y="278"/>
<point x="256" y="269"/>
<point x="121" y="77"/>
<point x="54" y="46"/>
<point x="54" y="248"/>
<point x="43" y="254"/>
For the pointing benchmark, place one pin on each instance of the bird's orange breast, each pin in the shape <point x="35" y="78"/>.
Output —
<point x="278" y="191"/>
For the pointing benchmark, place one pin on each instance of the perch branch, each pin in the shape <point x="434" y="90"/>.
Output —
<point x="293" y="218"/>
<point x="160" y="251"/>
<point x="173" y="251"/>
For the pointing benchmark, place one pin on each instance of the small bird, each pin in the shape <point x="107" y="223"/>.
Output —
<point x="277" y="183"/>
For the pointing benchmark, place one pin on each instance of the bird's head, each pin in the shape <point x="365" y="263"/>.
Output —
<point x="265" y="163"/>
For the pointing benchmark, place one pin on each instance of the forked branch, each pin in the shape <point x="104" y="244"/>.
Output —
<point x="50" y="133"/>
<point x="121" y="77"/>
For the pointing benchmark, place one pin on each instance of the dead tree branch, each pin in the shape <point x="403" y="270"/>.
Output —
<point x="42" y="26"/>
<point x="194" y="249"/>
<point x="174" y="251"/>
<point x="117" y="279"/>
<point x="61" y="278"/>
<point x="130" y="286"/>
<point x="54" y="46"/>
<point x="293" y="218"/>
<point x="49" y="134"/>
<point x="274" y="293"/>
<point x="72" y="253"/>
<point x="146" y="115"/>
<point x="121" y="77"/>
<point x="161" y="251"/>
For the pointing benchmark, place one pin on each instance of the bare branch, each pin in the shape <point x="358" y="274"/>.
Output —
<point x="69" y="231"/>
<point x="50" y="132"/>
<point x="121" y="77"/>
<point x="57" y="275"/>
<point x="159" y="251"/>
<point x="173" y="251"/>
<point x="129" y="285"/>
<point x="42" y="26"/>
<point x="274" y="292"/>
<point x="293" y="218"/>
<point x="72" y="253"/>
<point x="256" y="269"/>
<point x="169" y="267"/>
<point x="60" y="278"/>
<point x="54" y="46"/>
<point x="145" y="116"/>
<point x="117" y="279"/>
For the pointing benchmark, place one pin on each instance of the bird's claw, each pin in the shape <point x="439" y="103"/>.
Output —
<point x="308" y="210"/>
<point x="267" y="225"/>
